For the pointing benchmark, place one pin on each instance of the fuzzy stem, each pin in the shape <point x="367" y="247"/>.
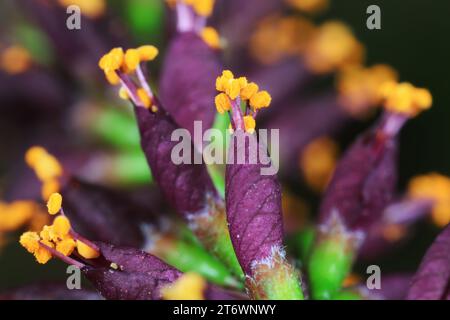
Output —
<point x="275" y="279"/>
<point x="212" y="230"/>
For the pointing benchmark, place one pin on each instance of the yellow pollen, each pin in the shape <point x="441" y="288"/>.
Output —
<point x="112" y="77"/>
<point x="49" y="187"/>
<point x="203" y="8"/>
<point x="309" y="6"/>
<point x="318" y="161"/>
<point x="145" y="99"/>
<point x="16" y="214"/>
<point x="223" y="103"/>
<point x="44" y="164"/>
<point x="113" y="60"/>
<point x="406" y="99"/>
<point x="250" y="124"/>
<point x="261" y="99"/>
<point x="90" y="8"/>
<point x="54" y="203"/>
<point x="233" y="88"/>
<point x="434" y="187"/>
<point x="15" y="60"/>
<point x="123" y="93"/>
<point x="86" y="252"/>
<point x="34" y="154"/>
<point x="277" y="37"/>
<point x="30" y="241"/>
<point x="147" y="52"/>
<point x="61" y="226"/>
<point x="49" y="234"/>
<point x="222" y="82"/>
<point x="359" y="88"/>
<point x="42" y="255"/>
<point x="249" y="91"/>
<point x="333" y="47"/>
<point x="211" y="37"/>
<point x="189" y="286"/>
<point x="132" y="59"/>
<point x="66" y="246"/>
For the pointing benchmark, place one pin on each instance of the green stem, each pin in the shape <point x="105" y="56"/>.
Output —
<point x="217" y="171"/>
<point x="187" y="256"/>
<point x="331" y="260"/>
<point x="277" y="280"/>
<point x="212" y="231"/>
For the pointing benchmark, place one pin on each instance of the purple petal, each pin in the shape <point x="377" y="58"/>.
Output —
<point x="185" y="186"/>
<point x="101" y="214"/>
<point x="432" y="280"/>
<point x="364" y="182"/>
<point x="253" y="204"/>
<point x="188" y="81"/>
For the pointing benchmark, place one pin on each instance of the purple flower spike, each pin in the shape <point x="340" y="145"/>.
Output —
<point x="186" y="186"/>
<point x="187" y="83"/>
<point x="364" y="181"/>
<point x="253" y="203"/>
<point x="432" y="280"/>
<point x="253" y="195"/>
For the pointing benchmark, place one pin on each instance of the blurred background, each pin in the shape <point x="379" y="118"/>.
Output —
<point x="52" y="93"/>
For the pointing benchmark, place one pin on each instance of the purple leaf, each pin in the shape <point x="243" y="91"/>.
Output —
<point x="188" y="81"/>
<point x="101" y="214"/>
<point x="138" y="276"/>
<point x="432" y="280"/>
<point x="364" y="182"/>
<point x="185" y="186"/>
<point x="253" y="203"/>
